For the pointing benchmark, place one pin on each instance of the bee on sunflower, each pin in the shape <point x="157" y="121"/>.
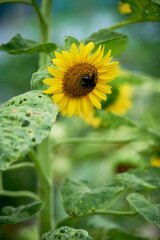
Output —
<point x="80" y="79"/>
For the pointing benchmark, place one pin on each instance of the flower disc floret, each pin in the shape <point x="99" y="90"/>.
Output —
<point x="80" y="79"/>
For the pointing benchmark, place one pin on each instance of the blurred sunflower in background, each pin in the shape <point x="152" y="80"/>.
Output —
<point x="119" y="103"/>
<point x="155" y="161"/>
<point x="80" y="82"/>
<point x="124" y="8"/>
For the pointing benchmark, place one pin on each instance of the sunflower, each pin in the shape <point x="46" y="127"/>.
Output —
<point x="124" y="8"/>
<point x="123" y="102"/>
<point x="80" y="79"/>
<point x="155" y="162"/>
<point x="119" y="103"/>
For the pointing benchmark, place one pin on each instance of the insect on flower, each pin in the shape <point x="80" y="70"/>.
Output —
<point x="80" y="82"/>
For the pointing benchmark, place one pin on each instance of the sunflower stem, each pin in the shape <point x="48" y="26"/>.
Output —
<point x="128" y="22"/>
<point x="46" y="10"/>
<point x="95" y="140"/>
<point x="43" y="163"/>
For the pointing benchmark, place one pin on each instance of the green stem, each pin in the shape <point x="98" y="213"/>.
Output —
<point x="46" y="11"/>
<point x="20" y="165"/>
<point x="19" y="194"/>
<point x="43" y="163"/>
<point x="128" y="22"/>
<point x="1" y="181"/>
<point x="95" y="141"/>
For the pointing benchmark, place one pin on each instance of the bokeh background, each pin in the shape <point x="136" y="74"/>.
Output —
<point x="78" y="19"/>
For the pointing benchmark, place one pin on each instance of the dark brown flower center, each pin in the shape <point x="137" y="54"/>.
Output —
<point x="80" y="79"/>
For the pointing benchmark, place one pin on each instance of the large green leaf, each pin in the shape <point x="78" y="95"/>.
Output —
<point x="130" y="180"/>
<point x="19" y="45"/>
<point x="25" y="121"/>
<point x="151" y="175"/>
<point x="148" y="10"/>
<point x="109" y="39"/>
<point x="118" y="235"/>
<point x="150" y="212"/>
<point x="80" y="199"/>
<point x="69" y="41"/>
<point x="38" y="77"/>
<point x="66" y="233"/>
<point x="20" y="214"/>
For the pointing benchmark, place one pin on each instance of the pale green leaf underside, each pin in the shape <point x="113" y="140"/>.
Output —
<point x="39" y="76"/>
<point x="19" y="45"/>
<point x="150" y="212"/>
<point x="66" y="233"/>
<point x="79" y="199"/>
<point x="12" y="215"/>
<point x="25" y="121"/>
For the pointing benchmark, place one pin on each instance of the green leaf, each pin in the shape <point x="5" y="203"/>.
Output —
<point x="132" y="78"/>
<point x="19" y="45"/>
<point x="25" y="121"/>
<point x="79" y="199"/>
<point x="37" y="78"/>
<point x="148" y="10"/>
<point x="131" y="180"/>
<point x="69" y="41"/>
<point x="12" y="215"/>
<point x="150" y="212"/>
<point x="118" y="235"/>
<point x="150" y="175"/>
<point x="66" y="233"/>
<point x="113" y="120"/>
<point x="109" y="39"/>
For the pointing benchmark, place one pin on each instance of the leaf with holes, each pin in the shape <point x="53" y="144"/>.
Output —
<point x="80" y="199"/>
<point x="25" y="121"/>
<point x="66" y="233"/>
<point x="12" y="215"/>
<point x="109" y="39"/>
<point x="150" y="212"/>
<point x="19" y="45"/>
<point x="148" y="10"/>
<point x="131" y="180"/>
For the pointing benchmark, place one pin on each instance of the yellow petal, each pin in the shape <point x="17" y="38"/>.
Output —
<point x="77" y="108"/>
<point x="60" y="65"/>
<point x="88" y="48"/>
<point x="75" y="53"/>
<point x="64" y="111"/>
<point x="82" y="52"/>
<point x="55" y="72"/>
<point x="94" y="55"/>
<point x="57" y="97"/>
<point x="99" y="94"/>
<point x="94" y="100"/>
<point x="49" y="81"/>
<point x="106" y="59"/>
<point x="71" y="107"/>
<point x="104" y="87"/>
<point x="49" y="90"/>
<point x="63" y="102"/>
